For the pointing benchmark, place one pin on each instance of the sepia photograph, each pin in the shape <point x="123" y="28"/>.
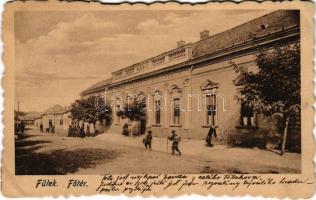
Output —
<point x="157" y="91"/>
<point x="157" y="100"/>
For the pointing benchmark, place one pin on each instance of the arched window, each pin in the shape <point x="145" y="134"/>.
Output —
<point x="209" y="89"/>
<point x="118" y="108"/>
<point x="176" y="95"/>
<point x="211" y="110"/>
<point x="157" y="112"/>
<point x="157" y="102"/>
<point x="141" y="102"/>
<point x="176" y="112"/>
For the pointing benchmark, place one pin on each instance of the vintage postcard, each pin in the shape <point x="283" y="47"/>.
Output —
<point x="160" y="99"/>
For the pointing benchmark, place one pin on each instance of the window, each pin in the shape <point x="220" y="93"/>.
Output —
<point x="157" y="112"/>
<point x="211" y="110"/>
<point x="247" y="116"/>
<point x="176" y="112"/>
<point x="118" y="108"/>
<point x="61" y="122"/>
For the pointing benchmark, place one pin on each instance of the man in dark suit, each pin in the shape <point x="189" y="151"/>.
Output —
<point x="211" y="132"/>
<point x="147" y="140"/>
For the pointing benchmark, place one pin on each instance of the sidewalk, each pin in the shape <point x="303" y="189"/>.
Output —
<point x="186" y="146"/>
<point x="120" y="154"/>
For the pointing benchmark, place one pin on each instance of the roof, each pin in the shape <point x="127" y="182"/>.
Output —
<point x="56" y="109"/>
<point x="97" y="86"/>
<point x="265" y="25"/>
<point x="30" y="116"/>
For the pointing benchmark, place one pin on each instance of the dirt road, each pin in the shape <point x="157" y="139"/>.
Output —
<point x="39" y="153"/>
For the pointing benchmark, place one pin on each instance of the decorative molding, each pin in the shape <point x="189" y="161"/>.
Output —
<point x="186" y="82"/>
<point x="175" y="91"/>
<point x="149" y="90"/>
<point x="166" y="86"/>
<point x="157" y="93"/>
<point x="209" y="85"/>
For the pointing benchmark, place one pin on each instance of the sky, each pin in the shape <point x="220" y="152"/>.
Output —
<point x="61" y="53"/>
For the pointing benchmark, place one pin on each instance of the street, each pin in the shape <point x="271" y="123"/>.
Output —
<point x="55" y="154"/>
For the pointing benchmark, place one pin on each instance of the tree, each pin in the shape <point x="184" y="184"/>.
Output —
<point x="274" y="89"/>
<point x="134" y="110"/>
<point x="91" y="109"/>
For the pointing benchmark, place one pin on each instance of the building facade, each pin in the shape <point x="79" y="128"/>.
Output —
<point x="192" y="87"/>
<point x="57" y="116"/>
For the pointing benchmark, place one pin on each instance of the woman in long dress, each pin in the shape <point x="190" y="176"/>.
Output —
<point x="125" y="129"/>
<point x="92" y="129"/>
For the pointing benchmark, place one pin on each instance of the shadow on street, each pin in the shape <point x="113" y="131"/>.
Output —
<point x="57" y="162"/>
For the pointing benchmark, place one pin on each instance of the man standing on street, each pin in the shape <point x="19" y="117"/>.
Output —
<point x="22" y="127"/>
<point x="147" y="140"/>
<point x="82" y="133"/>
<point x="41" y="128"/>
<point x="211" y="132"/>
<point x="175" y="142"/>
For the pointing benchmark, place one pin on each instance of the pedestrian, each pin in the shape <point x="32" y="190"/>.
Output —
<point x="77" y="131"/>
<point x="88" y="130"/>
<point x="82" y="134"/>
<point x="15" y="127"/>
<point x="92" y="129"/>
<point x="50" y="128"/>
<point x="53" y="129"/>
<point x="125" y="129"/>
<point x="74" y="131"/>
<point x="70" y="131"/>
<point x="175" y="142"/>
<point x="22" y="127"/>
<point x="211" y="132"/>
<point x="41" y="128"/>
<point x="147" y="140"/>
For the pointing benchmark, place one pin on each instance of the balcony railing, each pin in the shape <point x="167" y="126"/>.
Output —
<point x="179" y="53"/>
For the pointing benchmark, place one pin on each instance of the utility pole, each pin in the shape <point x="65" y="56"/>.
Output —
<point x="18" y="107"/>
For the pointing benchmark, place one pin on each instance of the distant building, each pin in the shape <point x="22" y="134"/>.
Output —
<point x="203" y="70"/>
<point x="30" y="118"/>
<point x="57" y="116"/>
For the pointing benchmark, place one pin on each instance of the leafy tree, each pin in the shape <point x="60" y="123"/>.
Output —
<point x="133" y="110"/>
<point x="274" y="89"/>
<point x="91" y="109"/>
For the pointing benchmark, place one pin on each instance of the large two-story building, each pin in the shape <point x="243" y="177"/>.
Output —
<point x="181" y="85"/>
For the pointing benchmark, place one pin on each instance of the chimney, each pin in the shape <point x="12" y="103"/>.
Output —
<point x="204" y="34"/>
<point x="181" y="43"/>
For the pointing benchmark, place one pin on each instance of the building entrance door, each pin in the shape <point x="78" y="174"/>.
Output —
<point x="142" y="126"/>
